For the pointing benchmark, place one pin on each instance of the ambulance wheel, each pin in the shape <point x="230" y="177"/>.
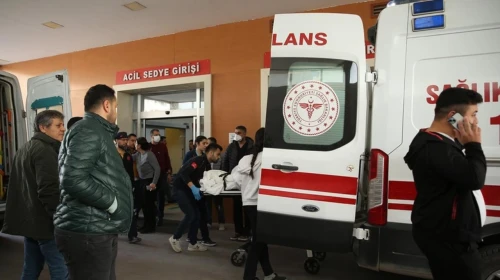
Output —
<point x="490" y="265"/>
<point x="238" y="258"/>
<point x="320" y="256"/>
<point x="312" y="266"/>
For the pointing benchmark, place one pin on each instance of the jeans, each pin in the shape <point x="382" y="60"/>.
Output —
<point x="36" y="253"/>
<point x="219" y="206"/>
<point x="194" y="216"/>
<point x="258" y="251"/>
<point x="88" y="256"/>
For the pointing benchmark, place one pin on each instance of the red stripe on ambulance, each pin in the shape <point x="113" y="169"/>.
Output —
<point x="306" y="196"/>
<point x="309" y="182"/>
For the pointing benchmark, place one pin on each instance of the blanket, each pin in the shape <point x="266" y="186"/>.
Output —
<point x="213" y="182"/>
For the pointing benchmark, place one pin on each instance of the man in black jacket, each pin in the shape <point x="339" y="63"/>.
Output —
<point x="191" y="201"/>
<point x="446" y="218"/>
<point x="33" y="195"/>
<point x="240" y="147"/>
<point x="121" y="139"/>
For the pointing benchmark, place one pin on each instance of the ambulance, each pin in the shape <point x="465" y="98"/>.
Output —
<point x="48" y="91"/>
<point x="333" y="176"/>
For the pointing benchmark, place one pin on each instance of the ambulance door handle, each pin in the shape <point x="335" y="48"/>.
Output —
<point x="285" y="167"/>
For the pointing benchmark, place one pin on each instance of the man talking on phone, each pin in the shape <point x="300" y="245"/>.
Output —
<point x="446" y="216"/>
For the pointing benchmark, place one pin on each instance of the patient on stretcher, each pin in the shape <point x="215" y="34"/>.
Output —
<point x="216" y="182"/>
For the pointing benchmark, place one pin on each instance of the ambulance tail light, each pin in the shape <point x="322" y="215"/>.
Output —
<point x="378" y="188"/>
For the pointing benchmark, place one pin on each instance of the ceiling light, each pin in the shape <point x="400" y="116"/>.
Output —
<point x="52" y="25"/>
<point x="134" y="6"/>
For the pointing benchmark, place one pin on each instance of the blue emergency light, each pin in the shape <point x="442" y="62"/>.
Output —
<point x="427" y="7"/>
<point x="429" y="22"/>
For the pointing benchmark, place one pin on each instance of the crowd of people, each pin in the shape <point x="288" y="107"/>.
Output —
<point x="72" y="192"/>
<point x="79" y="187"/>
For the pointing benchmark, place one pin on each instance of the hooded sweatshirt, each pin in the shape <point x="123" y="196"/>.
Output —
<point x="249" y="186"/>
<point x="445" y="179"/>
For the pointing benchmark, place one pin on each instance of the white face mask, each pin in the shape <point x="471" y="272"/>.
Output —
<point x="156" y="138"/>
<point x="237" y="138"/>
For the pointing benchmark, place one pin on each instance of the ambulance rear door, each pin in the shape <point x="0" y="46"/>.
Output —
<point x="315" y="131"/>
<point x="47" y="92"/>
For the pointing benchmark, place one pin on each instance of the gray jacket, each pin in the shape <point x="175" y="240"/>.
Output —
<point x="147" y="166"/>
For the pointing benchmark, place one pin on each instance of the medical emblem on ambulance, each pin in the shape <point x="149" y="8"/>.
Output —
<point x="311" y="108"/>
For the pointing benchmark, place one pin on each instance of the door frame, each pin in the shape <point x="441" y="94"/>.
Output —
<point x="125" y="100"/>
<point x="264" y="87"/>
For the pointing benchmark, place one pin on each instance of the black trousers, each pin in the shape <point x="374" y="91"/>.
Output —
<point x="449" y="260"/>
<point x="88" y="257"/>
<point x="241" y="224"/>
<point x="149" y="206"/>
<point x="162" y="189"/>
<point x="258" y="251"/>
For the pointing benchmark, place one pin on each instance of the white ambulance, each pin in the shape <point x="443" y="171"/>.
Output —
<point x="49" y="91"/>
<point x="333" y="177"/>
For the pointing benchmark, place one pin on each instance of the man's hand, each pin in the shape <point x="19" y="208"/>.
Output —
<point x="169" y="178"/>
<point x="468" y="132"/>
<point x="152" y="186"/>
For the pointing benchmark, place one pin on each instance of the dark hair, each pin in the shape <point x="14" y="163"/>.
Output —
<point x="455" y="99"/>
<point x="45" y="119"/>
<point x="163" y="138"/>
<point x="212" y="139"/>
<point x="242" y="128"/>
<point x="213" y="147"/>
<point x="153" y="130"/>
<point x="143" y="142"/>
<point x="191" y="140"/>
<point x="199" y="139"/>
<point x="258" y="147"/>
<point x="96" y="95"/>
<point x="72" y="121"/>
<point x="132" y="135"/>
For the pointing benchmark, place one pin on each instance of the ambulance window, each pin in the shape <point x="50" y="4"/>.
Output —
<point x="311" y="103"/>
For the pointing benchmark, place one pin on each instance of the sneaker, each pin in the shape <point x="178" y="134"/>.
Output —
<point x="222" y="227"/>
<point x="275" y="276"/>
<point x="208" y="243"/>
<point x="243" y="238"/>
<point x="176" y="245"/>
<point x="135" y="240"/>
<point x="197" y="247"/>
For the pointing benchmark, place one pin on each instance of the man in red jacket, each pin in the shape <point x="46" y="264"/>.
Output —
<point x="161" y="152"/>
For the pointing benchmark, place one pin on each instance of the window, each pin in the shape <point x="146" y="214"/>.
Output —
<point x="311" y="103"/>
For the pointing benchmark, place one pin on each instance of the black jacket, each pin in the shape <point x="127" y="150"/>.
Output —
<point x="445" y="178"/>
<point x="191" y="171"/>
<point x="128" y="164"/>
<point x="230" y="159"/>
<point x="33" y="191"/>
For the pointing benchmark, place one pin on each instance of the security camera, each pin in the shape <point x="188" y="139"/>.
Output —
<point x="167" y="112"/>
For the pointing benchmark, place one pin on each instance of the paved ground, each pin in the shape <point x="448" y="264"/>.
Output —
<point x="154" y="259"/>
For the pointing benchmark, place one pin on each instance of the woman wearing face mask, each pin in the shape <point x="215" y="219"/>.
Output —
<point x="247" y="173"/>
<point x="201" y="143"/>
<point x="149" y="173"/>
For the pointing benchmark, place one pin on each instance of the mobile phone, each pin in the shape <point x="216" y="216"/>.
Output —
<point x="455" y="119"/>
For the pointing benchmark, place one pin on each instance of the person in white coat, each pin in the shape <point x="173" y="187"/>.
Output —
<point x="247" y="174"/>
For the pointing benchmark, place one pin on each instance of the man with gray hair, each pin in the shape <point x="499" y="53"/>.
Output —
<point x="33" y="195"/>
